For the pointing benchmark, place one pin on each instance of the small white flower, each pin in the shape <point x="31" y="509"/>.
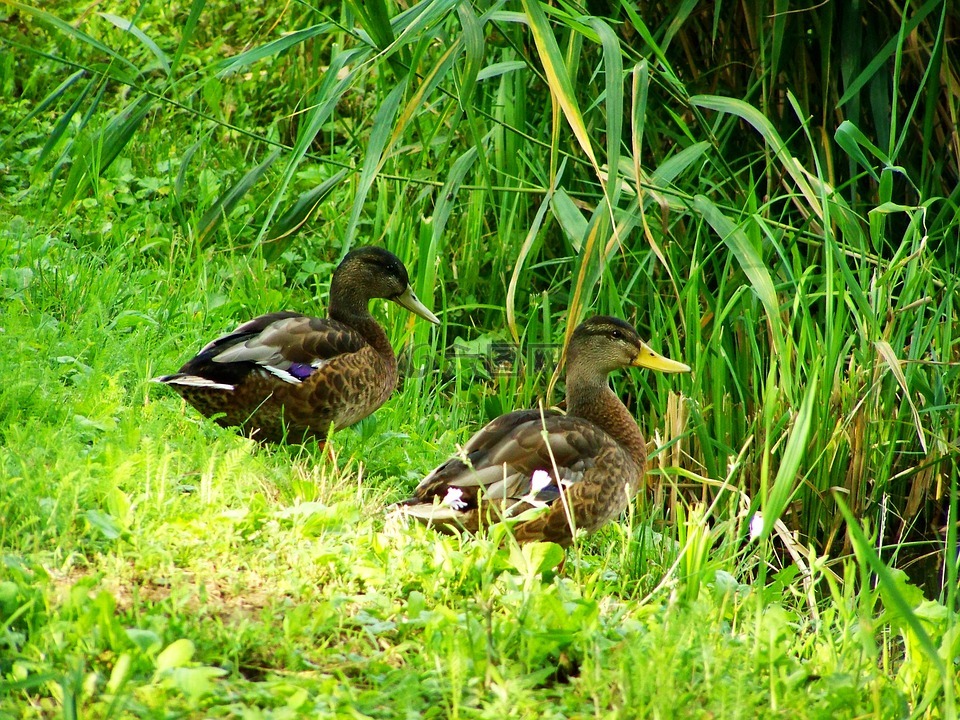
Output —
<point x="539" y="480"/>
<point x="454" y="499"/>
<point x="756" y="525"/>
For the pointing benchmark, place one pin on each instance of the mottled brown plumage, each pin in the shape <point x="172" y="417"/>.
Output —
<point x="595" y="455"/>
<point x="285" y="376"/>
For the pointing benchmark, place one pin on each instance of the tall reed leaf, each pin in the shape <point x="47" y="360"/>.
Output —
<point x="65" y="120"/>
<point x="762" y="125"/>
<point x="886" y="52"/>
<point x="325" y="101"/>
<point x="613" y="102"/>
<point x="448" y="194"/>
<point x="473" y="54"/>
<point x="221" y="208"/>
<point x="274" y="47"/>
<point x="528" y="242"/>
<point x="752" y="265"/>
<point x="785" y="485"/>
<point x="373" y="159"/>
<point x="186" y="35"/>
<point x="293" y="219"/>
<point x="93" y="155"/>
<point x="894" y="599"/>
<point x="375" y="20"/>
<point x="71" y="32"/>
<point x="40" y="107"/>
<point x="557" y="77"/>
<point x="148" y="43"/>
<point x="891" y="361"/>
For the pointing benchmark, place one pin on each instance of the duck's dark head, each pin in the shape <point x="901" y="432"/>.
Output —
<point x="602" y="344"/>
<point x="372" y="272"/>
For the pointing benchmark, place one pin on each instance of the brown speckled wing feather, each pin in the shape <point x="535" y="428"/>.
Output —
<point x="494" y="478"/>
<point x="502" y="457"/>
<point x="280" y="338"/>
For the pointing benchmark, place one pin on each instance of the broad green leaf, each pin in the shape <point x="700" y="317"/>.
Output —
<point x="119" y="674"/>
<point x="473" y="54"/>
<point x="670" y="168"/>
<point x="195" y="682"/>
<point x="640" y="83"/>
<point x="107" y="525"/>
<point x="500" y="68"/>
<point x="852" y="140"/>
<point x="176" y="654"/>
<point x="571" y="220"/>
<point x="535" y="558"/>
<point x="613" y="95"/>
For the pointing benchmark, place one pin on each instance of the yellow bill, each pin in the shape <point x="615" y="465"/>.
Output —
<point x="650" y="358"/>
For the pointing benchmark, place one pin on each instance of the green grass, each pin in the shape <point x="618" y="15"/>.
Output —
<point x="790" y="236"/>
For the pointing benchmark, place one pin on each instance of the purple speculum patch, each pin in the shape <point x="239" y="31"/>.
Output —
<point x="301" y="371"/>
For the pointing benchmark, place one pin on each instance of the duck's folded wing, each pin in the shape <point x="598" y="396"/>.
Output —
<point x="287" y="344"/>
<point x="502" y="458"/>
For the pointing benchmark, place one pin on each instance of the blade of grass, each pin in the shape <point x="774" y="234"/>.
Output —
<point x="557" y="78"/>
<point x="274" y="47"/>
<point x="380" y="132"/>
<point x="99" y="151"/>
<point x="221" y="208"/>
<point x="868" y="557"/>
<point x="750" y="262"/>
<point x="891" y="361"/>
<point x="289" y="224"/>
<point x="186" y="35"/>
<point x="129" y="27"/>
<point x="785" y="485"/>
<point x="762" y="125"/>
<point x="325" y="100"/>
<point x="71" y="32"/>
<point x="42" y="106"/>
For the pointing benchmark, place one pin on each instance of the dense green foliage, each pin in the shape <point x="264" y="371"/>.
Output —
<point x="769" y="195"/>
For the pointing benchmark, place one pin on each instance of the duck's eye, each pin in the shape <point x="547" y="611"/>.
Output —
<point x="616" y="335"/>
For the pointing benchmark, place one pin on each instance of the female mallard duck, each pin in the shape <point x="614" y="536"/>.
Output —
<point x="512" y="465"/>
<point x="288" y="376"/>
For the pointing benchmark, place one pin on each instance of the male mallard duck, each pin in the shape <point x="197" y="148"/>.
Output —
<point x="288" y="376"/>
<point x="512" y="465"/>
